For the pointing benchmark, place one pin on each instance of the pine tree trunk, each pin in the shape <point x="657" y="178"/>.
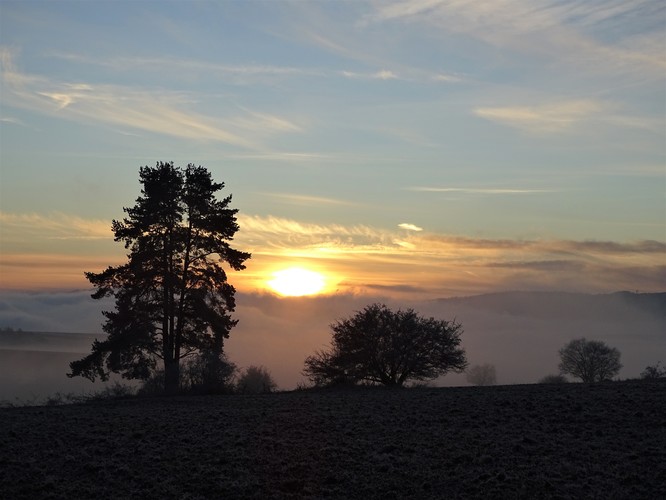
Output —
<point x="171" y="377"/>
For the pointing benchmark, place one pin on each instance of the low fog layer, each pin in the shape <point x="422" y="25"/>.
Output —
<point x="519" y="333"/>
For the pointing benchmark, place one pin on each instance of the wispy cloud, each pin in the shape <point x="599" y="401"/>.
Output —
<point x="545" y="118"/>
<point x="566" y="116"/>
<point x="262" y="122"/>
<point x="150" y="109"/>
<point x="12" y="120"/>
<point x="284" y="233"/>
<point x="39" y="271"/>
<point x="613" y="247"/>
<point x="410" y="227"/>
<point x="559" y="247"/>
<point x="284" y="156"/>
<point x="271" y="232"/>
<point x="54" y="225"/>
<point x="542" y="265"/>
<point x="491" y="191"/>
<point x="566" y="32"/>
<point x="52" y="250"/>
<point x="587" y="49"/>
<point x="292" y="234"/>
<point x="245" y="74"/>
<point x="440" y="77"/>
<point x="365" y="258"/>
<point x="523" y="15"/>
<point x="235" y="74"/>
<point x="383" y="74"/>
<point x="300" y="199"/>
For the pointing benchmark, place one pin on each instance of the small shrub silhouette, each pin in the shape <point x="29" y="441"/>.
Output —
<point x="202" y="374"/>
<point x="208" y="374"/>
<point x="256" y="380"/>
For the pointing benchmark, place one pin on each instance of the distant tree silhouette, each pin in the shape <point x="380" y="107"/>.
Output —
<point x="652" y="372"/>
<point x="589" y="360"/>
<point x="172" y="298"/>
<point x="256" y="380"/>
<point x="482" y="375"/>
<point x="378" y="345"/>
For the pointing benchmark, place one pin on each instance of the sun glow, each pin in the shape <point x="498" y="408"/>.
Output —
<point x="297" y="282"/>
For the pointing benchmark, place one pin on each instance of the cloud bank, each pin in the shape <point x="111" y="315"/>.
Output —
<point x="408" y="260"/>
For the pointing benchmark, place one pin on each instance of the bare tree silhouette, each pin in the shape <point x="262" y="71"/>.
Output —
<point x="589" y="360"/>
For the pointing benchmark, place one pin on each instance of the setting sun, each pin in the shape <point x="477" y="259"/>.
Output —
<point x="296" y="282"/>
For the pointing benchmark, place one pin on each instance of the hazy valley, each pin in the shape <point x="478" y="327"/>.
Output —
<point x="520" y="333"/>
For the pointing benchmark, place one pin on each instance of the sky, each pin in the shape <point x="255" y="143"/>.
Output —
<point x="404" y="150"/>
<point x="411" y="148"/>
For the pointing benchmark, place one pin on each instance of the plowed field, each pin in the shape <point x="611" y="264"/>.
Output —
<point x="532" y="441"/>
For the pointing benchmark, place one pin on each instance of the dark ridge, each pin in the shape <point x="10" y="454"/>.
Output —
<point x="608" y="307"/>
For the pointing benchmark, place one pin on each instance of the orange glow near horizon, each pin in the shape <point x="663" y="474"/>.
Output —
<point x="430" y="267"/>
<point x="297" y="282"/>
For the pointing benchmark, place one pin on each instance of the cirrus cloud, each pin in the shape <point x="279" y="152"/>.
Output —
<point x="159" y="111"/>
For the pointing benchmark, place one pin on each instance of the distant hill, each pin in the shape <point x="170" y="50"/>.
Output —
<point x="552" y="305"/>
<point x="48" y="341"/>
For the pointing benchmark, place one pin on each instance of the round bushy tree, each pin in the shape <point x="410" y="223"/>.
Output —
<point x="378" y="345"/>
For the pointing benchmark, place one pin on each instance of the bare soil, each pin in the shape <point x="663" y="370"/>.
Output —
<point x="528" y="441"/>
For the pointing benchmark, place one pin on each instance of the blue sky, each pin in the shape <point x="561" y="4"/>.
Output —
<point x="416" y="147"/>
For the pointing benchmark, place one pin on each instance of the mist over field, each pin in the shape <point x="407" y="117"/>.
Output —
<point x="519" y="333"/>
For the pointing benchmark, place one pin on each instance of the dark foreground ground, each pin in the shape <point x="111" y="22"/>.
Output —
<point x="532" y="441"/>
